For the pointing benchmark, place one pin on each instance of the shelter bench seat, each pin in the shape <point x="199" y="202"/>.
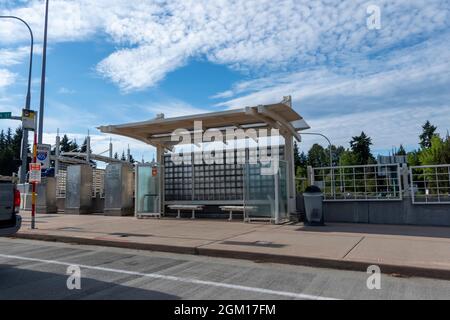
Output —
<point x="186" y="207"/>
<point x="232" y="209"/>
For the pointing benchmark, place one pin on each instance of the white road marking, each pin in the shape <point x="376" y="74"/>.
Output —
<point x="178" y="279"/>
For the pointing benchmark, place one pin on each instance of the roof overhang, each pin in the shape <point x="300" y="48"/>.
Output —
<point x="158" y="131"/>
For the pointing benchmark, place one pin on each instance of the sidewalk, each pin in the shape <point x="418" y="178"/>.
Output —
<point x="403" y="250"/>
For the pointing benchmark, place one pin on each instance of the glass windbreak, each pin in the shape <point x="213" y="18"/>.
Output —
<point x="265" y="195"/>
<point x="147" y="189"/>
<point x="282" y="190"/>
<point x="259" y="193"/>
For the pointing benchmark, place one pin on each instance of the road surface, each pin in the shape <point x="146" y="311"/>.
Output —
<point x="38" y="270"/>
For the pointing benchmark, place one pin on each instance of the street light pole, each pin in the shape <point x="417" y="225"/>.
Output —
<point x="329" y="143"/>
<point x="24" y="146"/>
<point x="331" y="158"/>
<point x="44" y="65"/>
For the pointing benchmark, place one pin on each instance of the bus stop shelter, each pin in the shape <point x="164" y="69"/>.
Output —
<point x="159" y="132"/>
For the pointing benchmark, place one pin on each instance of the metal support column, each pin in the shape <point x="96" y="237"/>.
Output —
<point x="57" y="146"/>
<point x="160" y="160"/>
<point x="289" y="157"/>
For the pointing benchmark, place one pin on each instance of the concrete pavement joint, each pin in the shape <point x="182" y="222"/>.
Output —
<point x="351" y="249"/>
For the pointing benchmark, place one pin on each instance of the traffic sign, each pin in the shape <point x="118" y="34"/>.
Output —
<point x="35" y="173"/>
<point x="29" y="119"/>
<point x="43" y="155"/>
<point x="5" y="115"/>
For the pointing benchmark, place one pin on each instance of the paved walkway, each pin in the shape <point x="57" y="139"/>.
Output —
<point x="406" y="250"/>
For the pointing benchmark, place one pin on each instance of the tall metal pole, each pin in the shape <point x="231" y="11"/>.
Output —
<point x="44" y="65"/>
<point x="329" y="143"/>
<point x="33" y="191"/>
<point x="24" y="145"/>
<point x="331" y="157"/>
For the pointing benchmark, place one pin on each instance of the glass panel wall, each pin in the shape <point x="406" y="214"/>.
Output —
<point x="147" y="189"/>
<point x="265" y="196"/>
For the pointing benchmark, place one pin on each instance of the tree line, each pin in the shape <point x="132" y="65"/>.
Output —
<point x="433" y="149"/>
<point x="10" y="145"/>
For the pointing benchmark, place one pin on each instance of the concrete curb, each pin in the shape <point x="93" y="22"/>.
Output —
<point x="389" y="269"/>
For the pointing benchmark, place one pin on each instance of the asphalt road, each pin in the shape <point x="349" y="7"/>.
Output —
<point x="38" y="270"/>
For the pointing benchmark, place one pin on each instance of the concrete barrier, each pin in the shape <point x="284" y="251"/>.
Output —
<point x="388" y="212"/>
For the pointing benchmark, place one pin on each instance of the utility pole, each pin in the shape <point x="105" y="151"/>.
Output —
<point x="44" y="66"/>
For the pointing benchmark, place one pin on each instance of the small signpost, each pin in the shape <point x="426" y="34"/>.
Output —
<point x="35" y="173"/>
<point x="29" y="119"/>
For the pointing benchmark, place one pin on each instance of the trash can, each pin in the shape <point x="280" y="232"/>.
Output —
<point x="313" y="198"/>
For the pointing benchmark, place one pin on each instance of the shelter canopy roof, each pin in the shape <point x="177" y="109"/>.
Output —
<point x="278" y="116"/>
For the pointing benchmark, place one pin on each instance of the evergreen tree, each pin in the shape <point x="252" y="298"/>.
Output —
<point x="317" y="156"/>
<point x="64" y="144"/>
<point x="401" y="151"/>
<point x="428" y="132"/>
<point x="123" y="158"/>
<point x="360" y="146"/>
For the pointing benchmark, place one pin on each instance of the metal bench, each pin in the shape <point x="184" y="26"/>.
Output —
<point x="187" y="207"/>
<point x="232" y="209"/>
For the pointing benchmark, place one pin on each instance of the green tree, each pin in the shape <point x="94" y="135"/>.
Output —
<point x="401" y="151"/>
<point x="64" y="144"/>
<point x="317" y="156"/>
<point x="10" y="146"/>
<point x="348" y="158"/>
<point x="437" y="153"/>
<point x="132" y="159"/>
<point x="412" y="158"/>
<point x="360" y="146"/>
<point x="74" y="146"/>
<point x="428" y="131"/>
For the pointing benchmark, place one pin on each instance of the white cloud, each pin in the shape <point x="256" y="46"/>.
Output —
<point x="6" y="78"/>
<point x="64" y="90"/>
<point x="262" y="36"/>
<point x="11" y="57"/>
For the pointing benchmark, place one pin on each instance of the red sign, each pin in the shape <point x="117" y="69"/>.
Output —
<point x="154" y="171"/>
<point x="35" y="173"/>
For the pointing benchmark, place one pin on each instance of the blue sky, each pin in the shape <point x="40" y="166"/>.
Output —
<point x="118" y="61"/>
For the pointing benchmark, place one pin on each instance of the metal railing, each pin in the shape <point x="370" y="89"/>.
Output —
<point x="61" y="184"/>
<point x="98" y="183"/>
<point x="430" y="184"/>
<point x="359" y="183"/>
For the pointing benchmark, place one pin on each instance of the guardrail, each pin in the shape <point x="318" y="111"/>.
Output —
<point x="379" y="182"/>
<point x="430" y="184"/>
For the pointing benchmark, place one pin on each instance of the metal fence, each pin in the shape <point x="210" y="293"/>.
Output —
<point x="359" y="183"/>
<point x="98" y="183"/>
<point x="430" y="184"/>
<point x="61" y="184"/>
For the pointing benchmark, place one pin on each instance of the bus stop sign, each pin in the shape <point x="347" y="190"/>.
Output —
<point x="35" y="173"/>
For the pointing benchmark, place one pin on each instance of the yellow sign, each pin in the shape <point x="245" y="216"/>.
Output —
<point x="29" y="119"/>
